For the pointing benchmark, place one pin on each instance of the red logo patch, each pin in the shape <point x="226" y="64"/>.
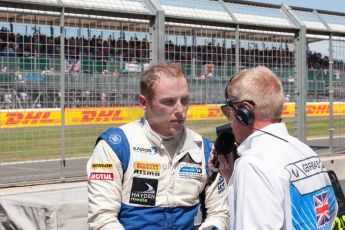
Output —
<point x="101" y="176"/>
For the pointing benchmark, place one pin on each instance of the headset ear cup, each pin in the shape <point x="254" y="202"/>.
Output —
<point x="245" y="115"/>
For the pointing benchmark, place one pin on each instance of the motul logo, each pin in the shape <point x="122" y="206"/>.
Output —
<point x="101" y="176"/>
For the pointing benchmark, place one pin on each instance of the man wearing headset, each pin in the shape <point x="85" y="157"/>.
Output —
<point x="278" y="182"/>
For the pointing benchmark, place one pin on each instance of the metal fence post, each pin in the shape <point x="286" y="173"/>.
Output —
<point x="331" y="94"/>
<point x="301" y="63"/>
<point x="62" y="90"/>
<point x="301" y="72"/>
<point x="237" y="49"/>
<point x="157" y="33"/>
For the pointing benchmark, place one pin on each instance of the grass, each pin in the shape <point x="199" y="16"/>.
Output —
<point x="43" y="143"/>
<point x="316" y="126"/>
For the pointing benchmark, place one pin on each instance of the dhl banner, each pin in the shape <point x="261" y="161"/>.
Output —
<point x="119" y="115"/>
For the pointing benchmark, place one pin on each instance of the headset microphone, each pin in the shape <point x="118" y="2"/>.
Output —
<point x="269" y="134"/>
<point x="224" y="144"/>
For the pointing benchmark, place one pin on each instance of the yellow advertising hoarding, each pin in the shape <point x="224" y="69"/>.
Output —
<point x="119" y="115"/>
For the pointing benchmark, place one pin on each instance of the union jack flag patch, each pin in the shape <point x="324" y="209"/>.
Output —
<point x="321" y="209"/>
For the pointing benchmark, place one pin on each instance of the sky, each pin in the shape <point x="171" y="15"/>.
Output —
<point x="330" y="5"/>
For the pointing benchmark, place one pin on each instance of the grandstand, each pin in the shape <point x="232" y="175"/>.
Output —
<point x="98" y="55"/>
<point x="35" y="83"/>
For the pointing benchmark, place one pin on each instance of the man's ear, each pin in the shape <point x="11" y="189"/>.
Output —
<point x="143" y="101"/>
<point x="249" y="104"/>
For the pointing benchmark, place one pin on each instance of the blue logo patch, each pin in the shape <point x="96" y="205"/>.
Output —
<point x="154" y="150"/>
<point x="187" y="169"/>
<point x="115" y="139"/>
<point x="190" y="172"/>
<point x="142" y="122"/>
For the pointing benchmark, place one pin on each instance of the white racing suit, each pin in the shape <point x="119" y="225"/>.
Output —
<point x="279" y="184"/>
<point x="133" y="183"/>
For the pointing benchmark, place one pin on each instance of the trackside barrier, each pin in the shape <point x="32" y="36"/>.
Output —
<point x="119" y="115"/>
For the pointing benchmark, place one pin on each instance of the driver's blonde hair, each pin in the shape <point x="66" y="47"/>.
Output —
<point x="154" y="73"/>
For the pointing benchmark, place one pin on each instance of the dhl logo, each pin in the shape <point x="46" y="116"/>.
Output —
<point x="311" y="110"/>
<point x="287" y="110"/>
<point x="15" y="118"/>
<point x="146" y="166"/>
<point x="215" y="112"/>
<point x="101" y="116"/>
<point x="198" y="112"/>
<point x="120" y="115"/>
<point x="317" y="109"/>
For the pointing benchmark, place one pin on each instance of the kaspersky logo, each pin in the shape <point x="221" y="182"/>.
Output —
<point x="153" y="150"/>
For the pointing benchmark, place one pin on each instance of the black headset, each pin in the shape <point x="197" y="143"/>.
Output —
<point x="244" y="114"/>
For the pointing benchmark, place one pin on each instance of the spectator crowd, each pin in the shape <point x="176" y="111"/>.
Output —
<point x="126" y="50"/>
